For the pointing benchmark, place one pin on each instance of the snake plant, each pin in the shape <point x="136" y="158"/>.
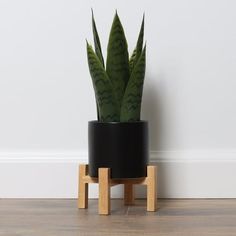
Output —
<point x="118" y="85"/>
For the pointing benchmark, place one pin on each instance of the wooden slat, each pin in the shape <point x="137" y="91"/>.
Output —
<point x="151" y="188"/>
<point x="113" y="182"/>
<point x="83" y="187"/>
<point x="129" y="194"/>
<point x="90" y="180"/>
<point x="104" y="191"/>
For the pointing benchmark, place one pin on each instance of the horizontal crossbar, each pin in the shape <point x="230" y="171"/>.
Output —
<point x="142" y="181"/>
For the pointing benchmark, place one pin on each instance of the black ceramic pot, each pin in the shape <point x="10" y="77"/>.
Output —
<point x="121" y="146"/>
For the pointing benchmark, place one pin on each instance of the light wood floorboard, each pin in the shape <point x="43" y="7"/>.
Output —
<point x="62" y="218"/>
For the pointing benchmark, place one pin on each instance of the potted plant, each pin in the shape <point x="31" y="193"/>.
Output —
<point x="118" y="139"/>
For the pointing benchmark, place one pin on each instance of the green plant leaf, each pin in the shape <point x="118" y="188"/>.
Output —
<point x="131" y="60"/>
<point x="105" y="97"/>
<point x="131" y="105"/>
<point x="139" y="46"/>
<point x="97" y="44"/>
<point x="98" y="116"/>
<point x="117" y="66"/>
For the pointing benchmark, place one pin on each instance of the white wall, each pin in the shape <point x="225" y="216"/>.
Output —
<point x="46" y="95"/>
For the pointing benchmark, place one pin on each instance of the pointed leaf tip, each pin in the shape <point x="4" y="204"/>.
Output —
<point x="96" y="39"/>
<point x="117" y="16"/>
<point x="92" y="13"/>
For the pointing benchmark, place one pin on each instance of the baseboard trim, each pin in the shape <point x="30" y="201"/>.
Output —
<point x="181" y="174"/>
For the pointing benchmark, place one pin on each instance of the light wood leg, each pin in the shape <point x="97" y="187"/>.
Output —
<point x="104" y="191"/>
<point x="83" y="187"/>
<point x="128" y="194"/>
<point x="152" y="188"/>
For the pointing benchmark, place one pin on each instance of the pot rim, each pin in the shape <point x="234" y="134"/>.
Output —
<point x="118" y="122"/>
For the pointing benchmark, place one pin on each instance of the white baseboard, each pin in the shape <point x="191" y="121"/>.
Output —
<point x="181" y="174"/>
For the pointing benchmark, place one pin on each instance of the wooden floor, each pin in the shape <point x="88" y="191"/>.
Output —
<point x="62" y="218"/>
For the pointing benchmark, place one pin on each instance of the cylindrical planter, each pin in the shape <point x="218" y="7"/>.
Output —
<point x="120" y="146"/>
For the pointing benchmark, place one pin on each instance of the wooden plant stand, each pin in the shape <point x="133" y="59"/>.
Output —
<point x="105" y="182"/>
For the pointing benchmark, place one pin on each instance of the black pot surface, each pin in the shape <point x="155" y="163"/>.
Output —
<point x="120" y="146"/>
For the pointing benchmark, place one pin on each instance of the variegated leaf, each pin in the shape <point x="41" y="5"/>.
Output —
<point x="96" y="39"/>
<point x="139" y="45"/>
<point x="117" y="65"/>
<point x="131" y="105"/>
<point x="105" y="97"/>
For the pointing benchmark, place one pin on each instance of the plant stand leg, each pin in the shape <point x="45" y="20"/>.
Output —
<point x="128" y="194"/>
<point x="151" y="188"/>
<point x="83" y="187"/>
<point x="104" y="191"/>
